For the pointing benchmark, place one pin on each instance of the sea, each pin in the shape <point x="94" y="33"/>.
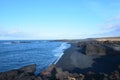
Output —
<point x="15" y="54"/>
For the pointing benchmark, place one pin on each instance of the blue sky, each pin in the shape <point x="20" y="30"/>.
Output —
<point x="59" y="19"/>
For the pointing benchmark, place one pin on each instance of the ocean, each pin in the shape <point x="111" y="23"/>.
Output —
<point x="15" y="54"/>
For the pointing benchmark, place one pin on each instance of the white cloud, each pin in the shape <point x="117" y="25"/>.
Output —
<point x="11" y="33"/>
<point x="110" y="28"/>
<point x="115" y="18"/>
<point x="20" y="34"/>
<point x="14" y="31"/>
<point x="113" y="23"/>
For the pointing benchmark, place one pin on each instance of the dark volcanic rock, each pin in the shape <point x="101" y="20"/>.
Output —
<point x="99" y="48"/>
<point x="55" y="73"/>
<point x="24" y="73"/>
<point x="28" y="69"/>
<point x="48" y="73"/>
<point x="95" y="49"/>
<point x="10" y="75"/>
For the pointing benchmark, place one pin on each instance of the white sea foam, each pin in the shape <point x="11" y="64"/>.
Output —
<point x="59" y="51"/>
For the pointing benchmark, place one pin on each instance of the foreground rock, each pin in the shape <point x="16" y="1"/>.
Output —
<point x="55" y="73"/>
<point x="24" y="73"/>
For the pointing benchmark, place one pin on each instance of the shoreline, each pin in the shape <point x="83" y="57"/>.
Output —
<point x="67" y="45"/>
<point x="74" y="60"/>
<point x="77" y="63"/>
<point x="71" y="58"/>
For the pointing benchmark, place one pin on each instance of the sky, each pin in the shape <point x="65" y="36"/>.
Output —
<point x="59" y="19"/>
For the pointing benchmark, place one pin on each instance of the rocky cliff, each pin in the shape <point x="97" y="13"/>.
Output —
<point x="100" y="48"/>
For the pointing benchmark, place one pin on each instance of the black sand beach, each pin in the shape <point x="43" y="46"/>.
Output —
<point x="74" y="60"/>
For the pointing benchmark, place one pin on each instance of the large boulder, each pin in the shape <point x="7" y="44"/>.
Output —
<point x="24" y="73"/>
<point x="9" y="75"/>
<point x="28" y="69"/>
<point x="55" y="73"/>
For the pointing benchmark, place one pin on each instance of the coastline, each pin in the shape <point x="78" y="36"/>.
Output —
<point x="76" y="64"/>
<point x="64" y="46"/>
<point x="74" y="61"/>
<point x="71" y="57"/>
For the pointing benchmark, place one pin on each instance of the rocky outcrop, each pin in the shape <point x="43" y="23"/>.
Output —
<point x="55" y="73"/>
<point x="95" y="49"/>
<point x="28" y="69"/>
<point x="24" y="73"/>
<point x="92" y="48"/>
<point x="99" y="48"/>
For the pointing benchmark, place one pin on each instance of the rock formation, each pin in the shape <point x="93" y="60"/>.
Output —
<point x="100" y="48"/>
<point x="24" y="73"/>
